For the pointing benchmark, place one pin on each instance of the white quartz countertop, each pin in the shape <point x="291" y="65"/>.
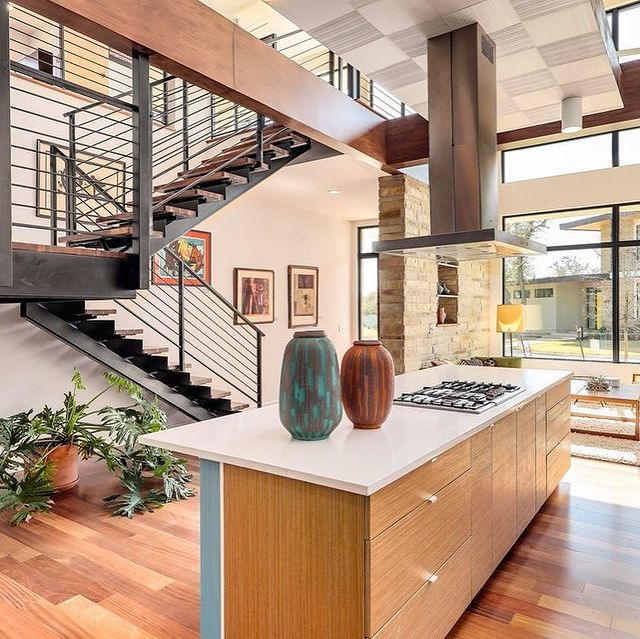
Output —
<point x="358" y="461"/>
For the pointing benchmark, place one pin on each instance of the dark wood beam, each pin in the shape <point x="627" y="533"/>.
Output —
<point x="190" y="40"/>
<point x="407" y="141"/>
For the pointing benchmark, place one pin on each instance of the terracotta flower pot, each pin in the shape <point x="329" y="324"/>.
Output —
<point x="367" y="380"/>
<point x="310" y="405"/>
<point x="65" y="473"/>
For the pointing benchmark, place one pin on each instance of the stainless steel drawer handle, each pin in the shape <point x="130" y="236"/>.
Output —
<point x="432" y="579"/>
<point x="433" y="460"/>
<point x="433" y="499"/>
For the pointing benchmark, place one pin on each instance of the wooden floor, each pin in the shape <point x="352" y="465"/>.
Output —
<point x="81" y="573"/>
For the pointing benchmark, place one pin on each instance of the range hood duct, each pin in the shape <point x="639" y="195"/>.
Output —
<point x="463" y="155"/>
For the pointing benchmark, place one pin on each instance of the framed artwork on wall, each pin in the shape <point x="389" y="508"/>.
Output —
<point x="254" y="294"/>
<point x="303" y="296"/>
<point x="99" y="181"/>
<point x="194" y="248"/>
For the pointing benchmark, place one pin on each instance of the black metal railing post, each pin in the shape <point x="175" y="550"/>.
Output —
<point x="53" y="195"/>
<point x="181" y="321"/>
<point x="185" y="126"/>
<point x="142" y="167"/>
<point x="353" y="82"/>
<point x="260" y="139"/>
<point x="332" y="68"/>
<point x="6" y="259"/>
<point x="71" y="163"/>
<point x="259" y="369"/>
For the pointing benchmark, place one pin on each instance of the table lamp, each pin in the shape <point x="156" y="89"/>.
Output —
<point x="510" y="319"/>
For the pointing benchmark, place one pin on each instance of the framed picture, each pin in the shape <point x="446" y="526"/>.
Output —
<point x="194" y="248"/>
<point x="254" y="294"/>
<point x="303" y="296"/>
<point x="100" y="183"/>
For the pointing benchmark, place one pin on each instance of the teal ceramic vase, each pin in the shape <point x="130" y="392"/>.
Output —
<point x="310" y="398"/>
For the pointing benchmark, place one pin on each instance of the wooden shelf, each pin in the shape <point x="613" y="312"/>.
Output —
<point x="447" y="295"/>
<point x="447" y="265"/>
<point x="448" y="278"/>
<point x="448" y="324"/>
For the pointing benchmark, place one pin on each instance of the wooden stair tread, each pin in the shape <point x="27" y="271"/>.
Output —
<point x="104" y="234"/>
<point x="127" y="332"/>
<point x="99" y="312"/>
<point x="239" y="406"/>
<point x="67" y="250"/>
<point x="155" y="350"/>
<point x="201" y="381"/>
<point x="217" y="162"/>
<point x="220" y="176"/>
<point x="176" y="367"/>
<point x="166" y="211"/>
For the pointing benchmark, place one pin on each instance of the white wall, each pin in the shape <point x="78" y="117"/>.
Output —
<point x="256" y="231"/>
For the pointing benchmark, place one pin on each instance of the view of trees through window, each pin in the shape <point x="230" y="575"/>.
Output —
<point x="581" y="299"/>
<point x="367" y="283"/>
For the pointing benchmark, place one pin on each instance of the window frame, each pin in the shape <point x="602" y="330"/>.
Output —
<point x="615" y="245"/>
<point x="362" y="255"/>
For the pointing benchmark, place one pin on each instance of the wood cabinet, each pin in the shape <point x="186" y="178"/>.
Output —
<point x="303" y="561"/>
<point x="541" y="450"/>
<point x="405" y="556"/>
<point x="503" y="486"/>
<point x="526" y="464"/>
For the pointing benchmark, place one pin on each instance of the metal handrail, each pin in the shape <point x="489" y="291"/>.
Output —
<point x="220" y="298"/>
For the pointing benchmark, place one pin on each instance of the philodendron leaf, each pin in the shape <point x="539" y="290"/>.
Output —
<point x="77" y="380"/>
<point x="123" y="385"/>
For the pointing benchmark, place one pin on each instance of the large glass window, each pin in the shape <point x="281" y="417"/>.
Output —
<point x="571" y="310"/>
<point x="625" y="28"/>
<point x="367" y="283"/>
<point x="557" y="158"/>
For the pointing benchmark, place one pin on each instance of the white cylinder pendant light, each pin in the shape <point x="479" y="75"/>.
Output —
<point x="571" y="115"/>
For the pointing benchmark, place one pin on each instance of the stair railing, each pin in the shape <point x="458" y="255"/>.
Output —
<point x="205" y="329"/>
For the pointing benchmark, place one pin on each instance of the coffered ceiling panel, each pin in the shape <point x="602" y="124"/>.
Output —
<point x="547" y="50"/>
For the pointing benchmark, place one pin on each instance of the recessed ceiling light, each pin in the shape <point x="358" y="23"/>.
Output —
<point x="333" y="192"/>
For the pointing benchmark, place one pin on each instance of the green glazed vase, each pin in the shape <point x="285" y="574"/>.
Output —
<point x="310" y="398"/>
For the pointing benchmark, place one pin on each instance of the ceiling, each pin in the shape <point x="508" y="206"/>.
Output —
<point x="546" y="49"/>
<point x="304" y="187"/>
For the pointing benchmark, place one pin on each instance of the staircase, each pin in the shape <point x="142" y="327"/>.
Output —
<point x="197" y="193"/>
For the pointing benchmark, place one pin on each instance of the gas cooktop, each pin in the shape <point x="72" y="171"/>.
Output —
<point x="467" y="397"/>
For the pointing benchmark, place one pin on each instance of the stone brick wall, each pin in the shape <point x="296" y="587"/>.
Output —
<point x="408" y="287"/>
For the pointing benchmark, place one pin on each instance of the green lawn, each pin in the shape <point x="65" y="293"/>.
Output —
<point x="570" y="348"/>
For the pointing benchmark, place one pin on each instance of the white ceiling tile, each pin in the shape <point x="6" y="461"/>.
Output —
<point x="519" y="63"/>
<point x="570" y="22"/>
<point x="413" y="93"/>
<point x="308" y="15"/>
<point x="513" y="121"/>
<point x="581" y="69"/>
<point x="491" y="15"/>
<point x="421" y="61"/>
<point x="390" y="16"/>
<point x="375" y="55"/>
<point x="602" y="102"/>
<point x="537" y="99"/>
<point x="445" y="7"/>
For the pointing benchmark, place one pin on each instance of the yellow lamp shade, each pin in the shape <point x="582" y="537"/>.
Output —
<point x="510" y="318"/>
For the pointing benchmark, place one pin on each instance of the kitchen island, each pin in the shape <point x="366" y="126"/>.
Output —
<point x="378" y="534"/>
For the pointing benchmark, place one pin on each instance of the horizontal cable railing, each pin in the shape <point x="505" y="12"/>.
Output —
<point x="207" y="332"/>
<point x="306" y="51"/>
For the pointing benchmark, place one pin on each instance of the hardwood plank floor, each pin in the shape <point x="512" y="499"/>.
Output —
<point x="80" y="574"/>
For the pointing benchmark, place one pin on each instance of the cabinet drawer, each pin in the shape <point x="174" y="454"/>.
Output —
<point x="504" y="441"/>
<point x="558" y="463"/>
<point x="405" y="555"/>
<point x="558" y="423"/>
<point x="436" y="607"/>
<point x="394" y="501"/>
<point x="558" y="393"/>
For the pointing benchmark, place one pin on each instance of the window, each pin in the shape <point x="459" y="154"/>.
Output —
<point x="367" y="283"/>
<point x="625" y="29"/>
<point x="570" y="314"/>
<point x="557" y="158"/>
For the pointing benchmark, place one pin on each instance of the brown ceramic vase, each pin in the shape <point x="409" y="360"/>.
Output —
<point x="367" y="381"/>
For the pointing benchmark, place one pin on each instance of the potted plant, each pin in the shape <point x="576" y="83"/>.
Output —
<point x="39" y="453"/>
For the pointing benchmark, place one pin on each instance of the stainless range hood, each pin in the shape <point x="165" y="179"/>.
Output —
<point x="463" y="155"/>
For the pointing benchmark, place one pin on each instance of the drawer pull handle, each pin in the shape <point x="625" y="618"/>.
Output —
<point x="433" y="499"/>
<point x="433" y="460"/>
<point x="432" y="579"/>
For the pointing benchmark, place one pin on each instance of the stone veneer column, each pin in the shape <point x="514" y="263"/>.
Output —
<point x="408" y="301"/>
